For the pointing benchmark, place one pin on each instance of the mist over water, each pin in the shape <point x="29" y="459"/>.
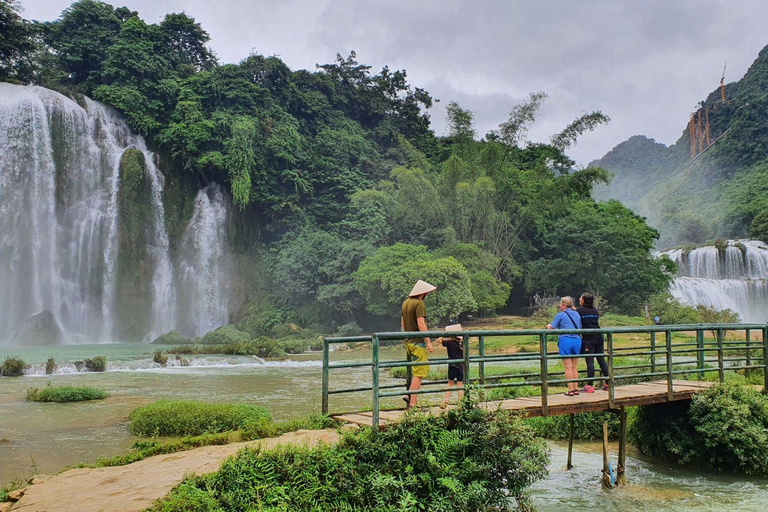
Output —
<point x="734" y="277"/>
<point x="59" y="226"/>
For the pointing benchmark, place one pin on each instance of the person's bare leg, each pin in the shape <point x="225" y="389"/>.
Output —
<point x="570" y="366"/>
<point x="461" y="393"/>
<point x="448" y="393"/>
<point x="415" y="386"/>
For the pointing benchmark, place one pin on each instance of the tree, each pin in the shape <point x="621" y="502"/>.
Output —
<point x="759" y="227"/>
<point x="16" y="43"/>
<point x="602" y="248"/>
<point x="185" y="42"/>
<point x="81" y="38"/>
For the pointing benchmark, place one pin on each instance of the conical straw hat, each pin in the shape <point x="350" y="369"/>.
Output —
<point x="421" y="287"/>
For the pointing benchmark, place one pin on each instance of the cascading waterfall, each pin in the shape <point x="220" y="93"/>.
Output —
<point x="205" y="264"/>
<point x="61" y="229"/>
<point x="732" y="277"/>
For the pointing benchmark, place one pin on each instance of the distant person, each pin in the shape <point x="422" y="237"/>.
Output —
<point x="657" y="319"/>
<point x="569" y="345"/>
<point x="591" y="344"/>
<point x="454" y="346"/>
<point x="413" y="317"/>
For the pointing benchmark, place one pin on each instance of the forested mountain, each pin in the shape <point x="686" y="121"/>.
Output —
<point x="722" y="193"/>
<point x="342" y="194"/>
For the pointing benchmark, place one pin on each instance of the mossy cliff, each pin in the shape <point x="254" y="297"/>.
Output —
<point x="134" y="269"/>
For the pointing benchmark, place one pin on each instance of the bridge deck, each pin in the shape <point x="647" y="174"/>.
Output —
<point x="644" y="393"/>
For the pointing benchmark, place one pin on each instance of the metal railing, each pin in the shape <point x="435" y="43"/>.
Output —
<point x="684" y="355"/>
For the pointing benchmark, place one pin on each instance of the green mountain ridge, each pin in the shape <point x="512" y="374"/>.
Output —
<point x="721" y="192"/>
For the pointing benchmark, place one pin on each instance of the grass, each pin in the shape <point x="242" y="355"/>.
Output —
<point x="63" y="394"/>
<point x="262" y="429"/>
<point x="190" y="418"/>
<point x="261" y="347"/>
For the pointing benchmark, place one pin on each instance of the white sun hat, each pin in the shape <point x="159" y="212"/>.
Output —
<point x="421" y="287"/>
<point x="454" y="327"/>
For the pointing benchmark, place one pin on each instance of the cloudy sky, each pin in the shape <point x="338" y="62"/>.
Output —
<point x="643" y="63"/>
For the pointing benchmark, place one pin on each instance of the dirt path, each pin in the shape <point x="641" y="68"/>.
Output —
<point x="134" y="487"/>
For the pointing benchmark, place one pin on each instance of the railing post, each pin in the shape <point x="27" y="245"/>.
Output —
<point x="326" y="375"/>
<point x="375" y="370"/>
<point x="467" y="378"/>
<point x="700" y="351"/>
<point x="720" y="370"/>
<point x="669" y="364"/>
<point x="765" y="358"/>
<point x="481" y="351"/>
<point x="653" y="352"/>
<point x="611" y="380"/>
<point x="749" y="358"/>
<point x="544" y="372"/>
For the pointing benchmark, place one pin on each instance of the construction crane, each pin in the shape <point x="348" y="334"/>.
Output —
<point x="722" y="83"/>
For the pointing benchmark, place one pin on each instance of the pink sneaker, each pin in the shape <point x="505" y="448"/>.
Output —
<point x="588" y="389"/>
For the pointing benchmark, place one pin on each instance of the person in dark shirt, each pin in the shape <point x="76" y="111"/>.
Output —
<point x="455" y="347"/>
<point x="592" y="344"/>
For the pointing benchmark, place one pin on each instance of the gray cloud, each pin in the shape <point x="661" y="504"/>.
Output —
<point x="645" y="64"/>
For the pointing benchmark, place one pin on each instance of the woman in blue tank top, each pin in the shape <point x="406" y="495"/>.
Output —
<point x="568" y="344"/>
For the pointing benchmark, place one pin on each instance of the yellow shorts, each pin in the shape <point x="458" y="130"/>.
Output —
<point x="418" y="353"/>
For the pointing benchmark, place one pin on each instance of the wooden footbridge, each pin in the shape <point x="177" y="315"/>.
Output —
<point x="646" y="365"/>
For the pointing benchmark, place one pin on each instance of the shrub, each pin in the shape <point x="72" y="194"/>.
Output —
<point x="97" y="364"/>
<point x="463" y="460"/>
<point x="159" y="358"/>
<point x="62" y="394"/>
<point x="50" y="366"/>
<point x="349" y="329"/>
<point x="294" y="346"/>
<point x="12" y="367"/>
<point x="224" y="335"/>
<point x="189" y="418"/>
<point x="171" y="338"/>
<point x="587" y="426"/>
<point x="724" y="428"/>
<point x="260" y="321"/>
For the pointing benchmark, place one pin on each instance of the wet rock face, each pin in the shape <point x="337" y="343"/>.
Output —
<point x="40" y="329"/>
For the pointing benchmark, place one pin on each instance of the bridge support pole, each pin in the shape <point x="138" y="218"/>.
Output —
<point x="607" y="476"/>
<point x="622" y="446"/>
<point x="568" y="465"/>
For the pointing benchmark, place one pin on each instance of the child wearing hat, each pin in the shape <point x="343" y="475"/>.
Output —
<point x="454" y="346"/>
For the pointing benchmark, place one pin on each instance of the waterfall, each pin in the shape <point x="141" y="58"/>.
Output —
<point x="733" y="277"/>
<point x="205" y="265"/>
<point x="61" y="223"/>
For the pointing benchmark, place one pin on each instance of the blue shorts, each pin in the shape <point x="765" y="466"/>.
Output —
<point x="569" y="345"/>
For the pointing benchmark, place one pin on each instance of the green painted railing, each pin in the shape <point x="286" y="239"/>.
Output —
<point x="665" y="359"/>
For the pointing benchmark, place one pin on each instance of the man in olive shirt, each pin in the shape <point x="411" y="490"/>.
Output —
<point x="414" y="318"/>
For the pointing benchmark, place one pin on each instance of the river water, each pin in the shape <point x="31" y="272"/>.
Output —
<point x="45" y="438"/>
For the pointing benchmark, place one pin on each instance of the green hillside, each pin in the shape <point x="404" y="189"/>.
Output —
<point x="723" y="190"/>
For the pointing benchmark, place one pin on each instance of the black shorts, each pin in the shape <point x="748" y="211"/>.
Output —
<point x="456" y="373"/>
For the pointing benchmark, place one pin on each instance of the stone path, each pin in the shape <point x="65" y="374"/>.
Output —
<point x="134" y="487"/>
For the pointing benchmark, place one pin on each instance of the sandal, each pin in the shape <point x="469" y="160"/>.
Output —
<point x="569" y="393"/>
<point x="444" y="404"/>
<point x="407" y="400"/>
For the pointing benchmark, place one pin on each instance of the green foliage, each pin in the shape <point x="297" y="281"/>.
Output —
<point x="349" y="329"/>
<point x="226" y="335"/>
<point x="759" y="227"/>
<point x="171" y="338"/>
<point x="260" y="347"/>
<point x="16" y="44"/>
<point x="12" y="367"/>
<point x="725" y="428"/>
<point x="63" y="394"/>
<point x="464" y="460"/>
<point x="610" y="239"/>
<point x="188" y="418"/>
<point x="672" y="311"/>
<point x="587" y="426"/>
<point x="96" y="364"/>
